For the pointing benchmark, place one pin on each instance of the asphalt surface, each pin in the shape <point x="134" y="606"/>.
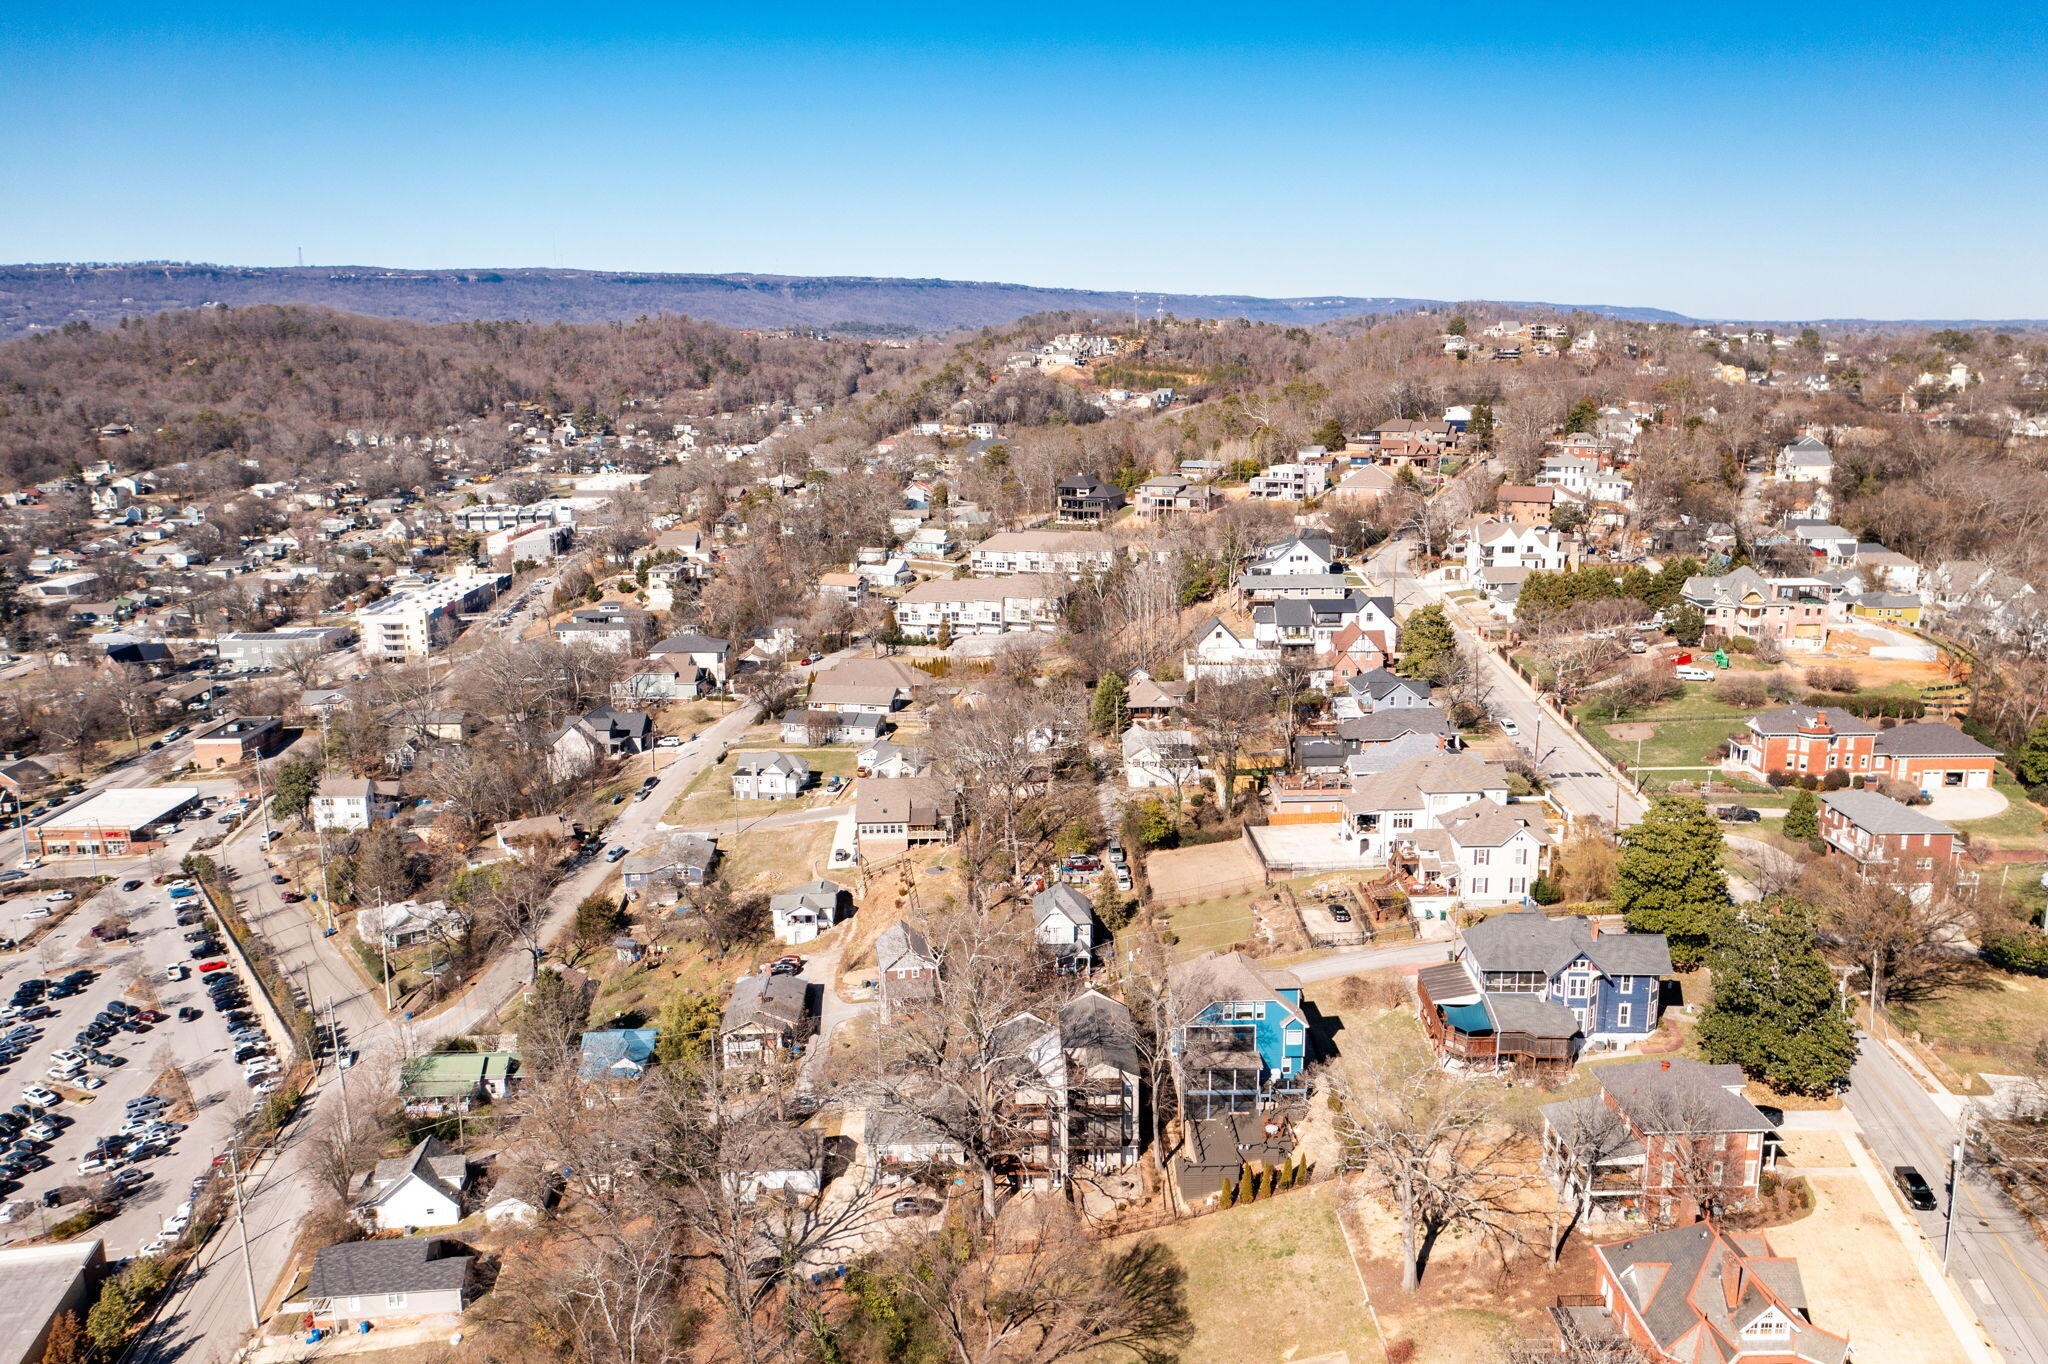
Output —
<point x="1996" y="1261"/>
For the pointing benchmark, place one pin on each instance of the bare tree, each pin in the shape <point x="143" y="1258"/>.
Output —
<point x="1434" y="1142"/>
<point x="1230" y="720"/>
<point x="1909" y="947"/>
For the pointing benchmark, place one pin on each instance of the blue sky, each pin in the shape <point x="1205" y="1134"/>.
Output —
<point x="1747" y="161"/>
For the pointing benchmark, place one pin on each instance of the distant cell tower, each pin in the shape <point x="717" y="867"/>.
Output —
<point x="302" y="258"/>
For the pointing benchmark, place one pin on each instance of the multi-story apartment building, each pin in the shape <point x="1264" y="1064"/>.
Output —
<point x="415" y="621"/>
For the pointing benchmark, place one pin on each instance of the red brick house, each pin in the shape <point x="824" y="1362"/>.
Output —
<point x="1695" y="1294"/>
<point x="1664" y="1140"/>
<point x="1800" y="739"/>
<point x="1934" y="756"/>
<point x="1894" y="843"/>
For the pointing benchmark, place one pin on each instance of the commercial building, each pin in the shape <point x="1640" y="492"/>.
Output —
<point x="113" y="823"/>
<point x="234" y="741"/>
<point x="43" y="1283"/>
<point x="415" y="621"/>
<point x="275" y="648"/>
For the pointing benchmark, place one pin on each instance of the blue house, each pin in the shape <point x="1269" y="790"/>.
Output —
<point x="1244" y="1038"/>
<point x="1526" y="988"/>
<point x="616" y="1054"/>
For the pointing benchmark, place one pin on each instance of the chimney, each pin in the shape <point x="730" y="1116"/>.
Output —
<point x="1664" y="1064"/>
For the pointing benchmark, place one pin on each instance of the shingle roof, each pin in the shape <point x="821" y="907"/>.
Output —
<point x="1668" y="1094"/>
<point x="1880" y="814"/>
<point x="371" y="1269"/>
<point x="1926" y="739"/>
<point x="1528" y="941"/>
<point x="1792" y="719"/>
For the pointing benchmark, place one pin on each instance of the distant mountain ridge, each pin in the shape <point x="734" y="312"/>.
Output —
<point x="43" y="297"/>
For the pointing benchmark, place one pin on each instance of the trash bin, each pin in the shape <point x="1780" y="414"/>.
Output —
<point x="362" y="1328"/>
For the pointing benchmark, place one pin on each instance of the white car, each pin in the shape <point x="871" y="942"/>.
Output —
<point x="37" y="1094"/>
<point x="175" y="1224"/>
<point x="29" y="863"/>
<point x="15" y="1210"/>
<point x="94" y="1165"/>
<point x="60" y="897"/>
<point x="89" y="1082"/>
<point x="260" y="1066"/>
<point x="266" y="1086"/>
<point x="669" y="741"/>
<point x="1508" y="726"/>
<point x="156" y="1245"/>
<point x="1689" y="673"/>
<point x="39" y="912"/>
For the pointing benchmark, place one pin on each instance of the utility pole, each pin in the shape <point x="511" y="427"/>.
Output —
<point x="334" y="1045"/>
<point x="242" y="1224"/>
<point x="1955" y="1177"/>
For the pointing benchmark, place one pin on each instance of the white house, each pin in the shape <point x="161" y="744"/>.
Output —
<point x="1806" y="460"/>
<point x="981" y="606"/>
<point x="1291" y="482"/>
<point x="350" y="803"/>
<point x="1073" y="553"/>
<point x="801" y="913"/>
<point x="769" y="776"/>
<point x="422" y="1188"/>
<point x="1066" y="924"/>
<point x="1161" y="757"/>
<point x="1221" y="654"/>
<point x="1537" y="549"/>
<point x="408" y="922"/>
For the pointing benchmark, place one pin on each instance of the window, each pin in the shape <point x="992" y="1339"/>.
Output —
<point x="1479" y="885"/>
<point x="1719" y="1174"/>
<point x="1518" y="885"/>
<point x="1481" y="856"/>
<point x="394" y="1301"/>
<point x="1404" y="821"/>
<point x="1578" y="985"/>
<point x="1624" y="1015"/>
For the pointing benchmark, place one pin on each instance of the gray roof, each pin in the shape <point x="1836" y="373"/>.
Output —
<point x="772" y="762"/>
<point x="1095" y="1028"/>
<point x="1792" y="719"/>
<point x="370" y="1269"/>
<point x="782" y="1002"/>
<point x="1527" y="941"/>
<point x="1680" y="1281"/>
<point x="1927" y="739"/>
<point x="1531" y="1014"/>
<point x="1677" y="1093"/>
<point x="432" y="1163"/>
<point x="1063" y="900"/>
<point x="1879" y="814"/>
<point x="1384" y="725"/>
<point x="1380" y="682"/>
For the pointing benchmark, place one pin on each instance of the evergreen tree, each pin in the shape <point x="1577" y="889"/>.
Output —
<point x="687" y="1023"/>
<point x="1669" y="878"/>
<point x="2031" y="761"/>
<point x="1106" y="711"/>
<point x="1581" y="417"/>
<point x="1226" y="1196"/>
<point x="1776" y="1010"/>
<point x="1481" y="428"/>
<point x="1330" y="435"/>
<point x="1802" y="817"/>
<point x="1687" y="625"/>
<point x="1428" y="644"/>
<point x="1247" y="1186"/>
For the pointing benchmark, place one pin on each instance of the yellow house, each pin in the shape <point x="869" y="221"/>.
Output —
<point x="1898" y="608"/>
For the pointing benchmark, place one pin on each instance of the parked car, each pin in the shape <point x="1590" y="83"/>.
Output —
<point x="1340" y="914"/>
<point x="669" y="741"/>
<point x="39" y="912"/>
<point x="1737" y="814"/>
<point x="208" y="967"/>
<point x="131" y="885"/>
<point x="1692" y="673"/>
<point x="1919" y="1194"/>
<point x="615" y="853"/>
<point x="1507" y="725"/>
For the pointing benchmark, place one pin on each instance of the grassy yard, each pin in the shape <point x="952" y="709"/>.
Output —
<point x="1680" y="731"/>
<point x="1990" y="1023"/>
<point x="1273" y="1281"/>
<point x="770" y="859"/>
<point x="1212" y="925"/>
<point x="2018" y="826"/>
<point x="709" y="798"/>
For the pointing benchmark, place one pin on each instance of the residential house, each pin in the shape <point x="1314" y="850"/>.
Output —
<point x="801" y="913"/>
<point x="1796" y="739"/>
<point x="1522" y="504"/>
<point x="610" y="627"/>
<point x="1310" y="626"/>
<point x="359" y="1284"/>
<point x="1933" y="757"/>
<point x="1595" y="988"/>
<point x="657" y="682"/>
<point x="1156" y="758"/>
<point x="707" y="653"/>
<point x="1148" y="701"/>
<point x="605" y="732"/>
<point x="352" y="802"/>
<point x="678" y="859"/>
<point x="1076" y="1086"/>
<point x="815" y="728"/>
<point x="930" y="542"/>
<point x="1240" y="1039"/>
<point x="1891" y="843"/>
<point x="1296" y="556"/>
<point x="1886" y="608"/>
<point x="536" y="833"/>
<point x="1496" y="545"/>
<point x="1086" y="499"/>
<point x="981" y="606"/>
<point x="1168" y="496"/>
<point x="1697" y="1293"/>
<point x="409" y="922"/>
<point x="1806" y="460"/>
<point x="766" y="1017"/>
<point x="1829" y="543"/>
<point x="903" y="810"/>
<point x="1220" y="654"/>
<point x="1369" y="484"/>
<point x="1664" y="1139"/>
<point x="616" y="1053"/>
<point x="1369" y="693"/>
<point x="1792" y="613"/>
<point x="1291" y="482"/>
<point x="1406" y="440"/>
<point x="769" y="776"/>
<point x="904" y="1143"/>
<point x="1066" y="926"/>
<point x="883" y="758"/>
<point x="784" y="1162"/>
<point x="1070" y="553"/>
<point x="906" y="969"/>
<point x="445" y="1082"/>
<point x="422" y="1188"/>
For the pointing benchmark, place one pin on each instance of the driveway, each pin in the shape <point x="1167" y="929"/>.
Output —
<point x="1962" y="803"/>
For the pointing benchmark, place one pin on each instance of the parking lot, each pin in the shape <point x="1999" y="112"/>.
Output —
<point x="130" y="969"/>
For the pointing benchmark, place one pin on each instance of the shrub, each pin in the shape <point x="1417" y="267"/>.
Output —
<point x="1401" y="1350"/>
<point x="1832" y="678"/>
<point x="1743" y="693"/>
<point x="1226" y="1196"/>
<point x="1247" y="1185"/>
<point x="2026" y="953"/>
<point x="1545" y="891"/>
<point x="1780" y="779"/>
<point x="1834" y="780"/>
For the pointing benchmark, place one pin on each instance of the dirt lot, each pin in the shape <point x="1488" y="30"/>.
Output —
<point x="1860" y="1279"/>
<point x="1182" y="876"/>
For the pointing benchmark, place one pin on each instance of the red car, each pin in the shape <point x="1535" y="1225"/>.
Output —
<point x="208" y="966"/>
<point x="291" y="897"/>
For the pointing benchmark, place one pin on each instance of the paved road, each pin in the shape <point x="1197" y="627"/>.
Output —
<point x="1576" y="778"/>
<point x="1996" y="1261"/>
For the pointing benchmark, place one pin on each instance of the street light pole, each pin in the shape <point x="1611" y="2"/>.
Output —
<point x="1955" y="1177"/>
<point x="334" y="1045"/>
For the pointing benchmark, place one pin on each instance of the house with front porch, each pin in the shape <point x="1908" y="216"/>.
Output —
<point x="1796" y="739"/>
<point x="1891" y="843"/>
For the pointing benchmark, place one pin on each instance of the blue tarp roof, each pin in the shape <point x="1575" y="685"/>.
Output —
<point x="1468" y="1018"/>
